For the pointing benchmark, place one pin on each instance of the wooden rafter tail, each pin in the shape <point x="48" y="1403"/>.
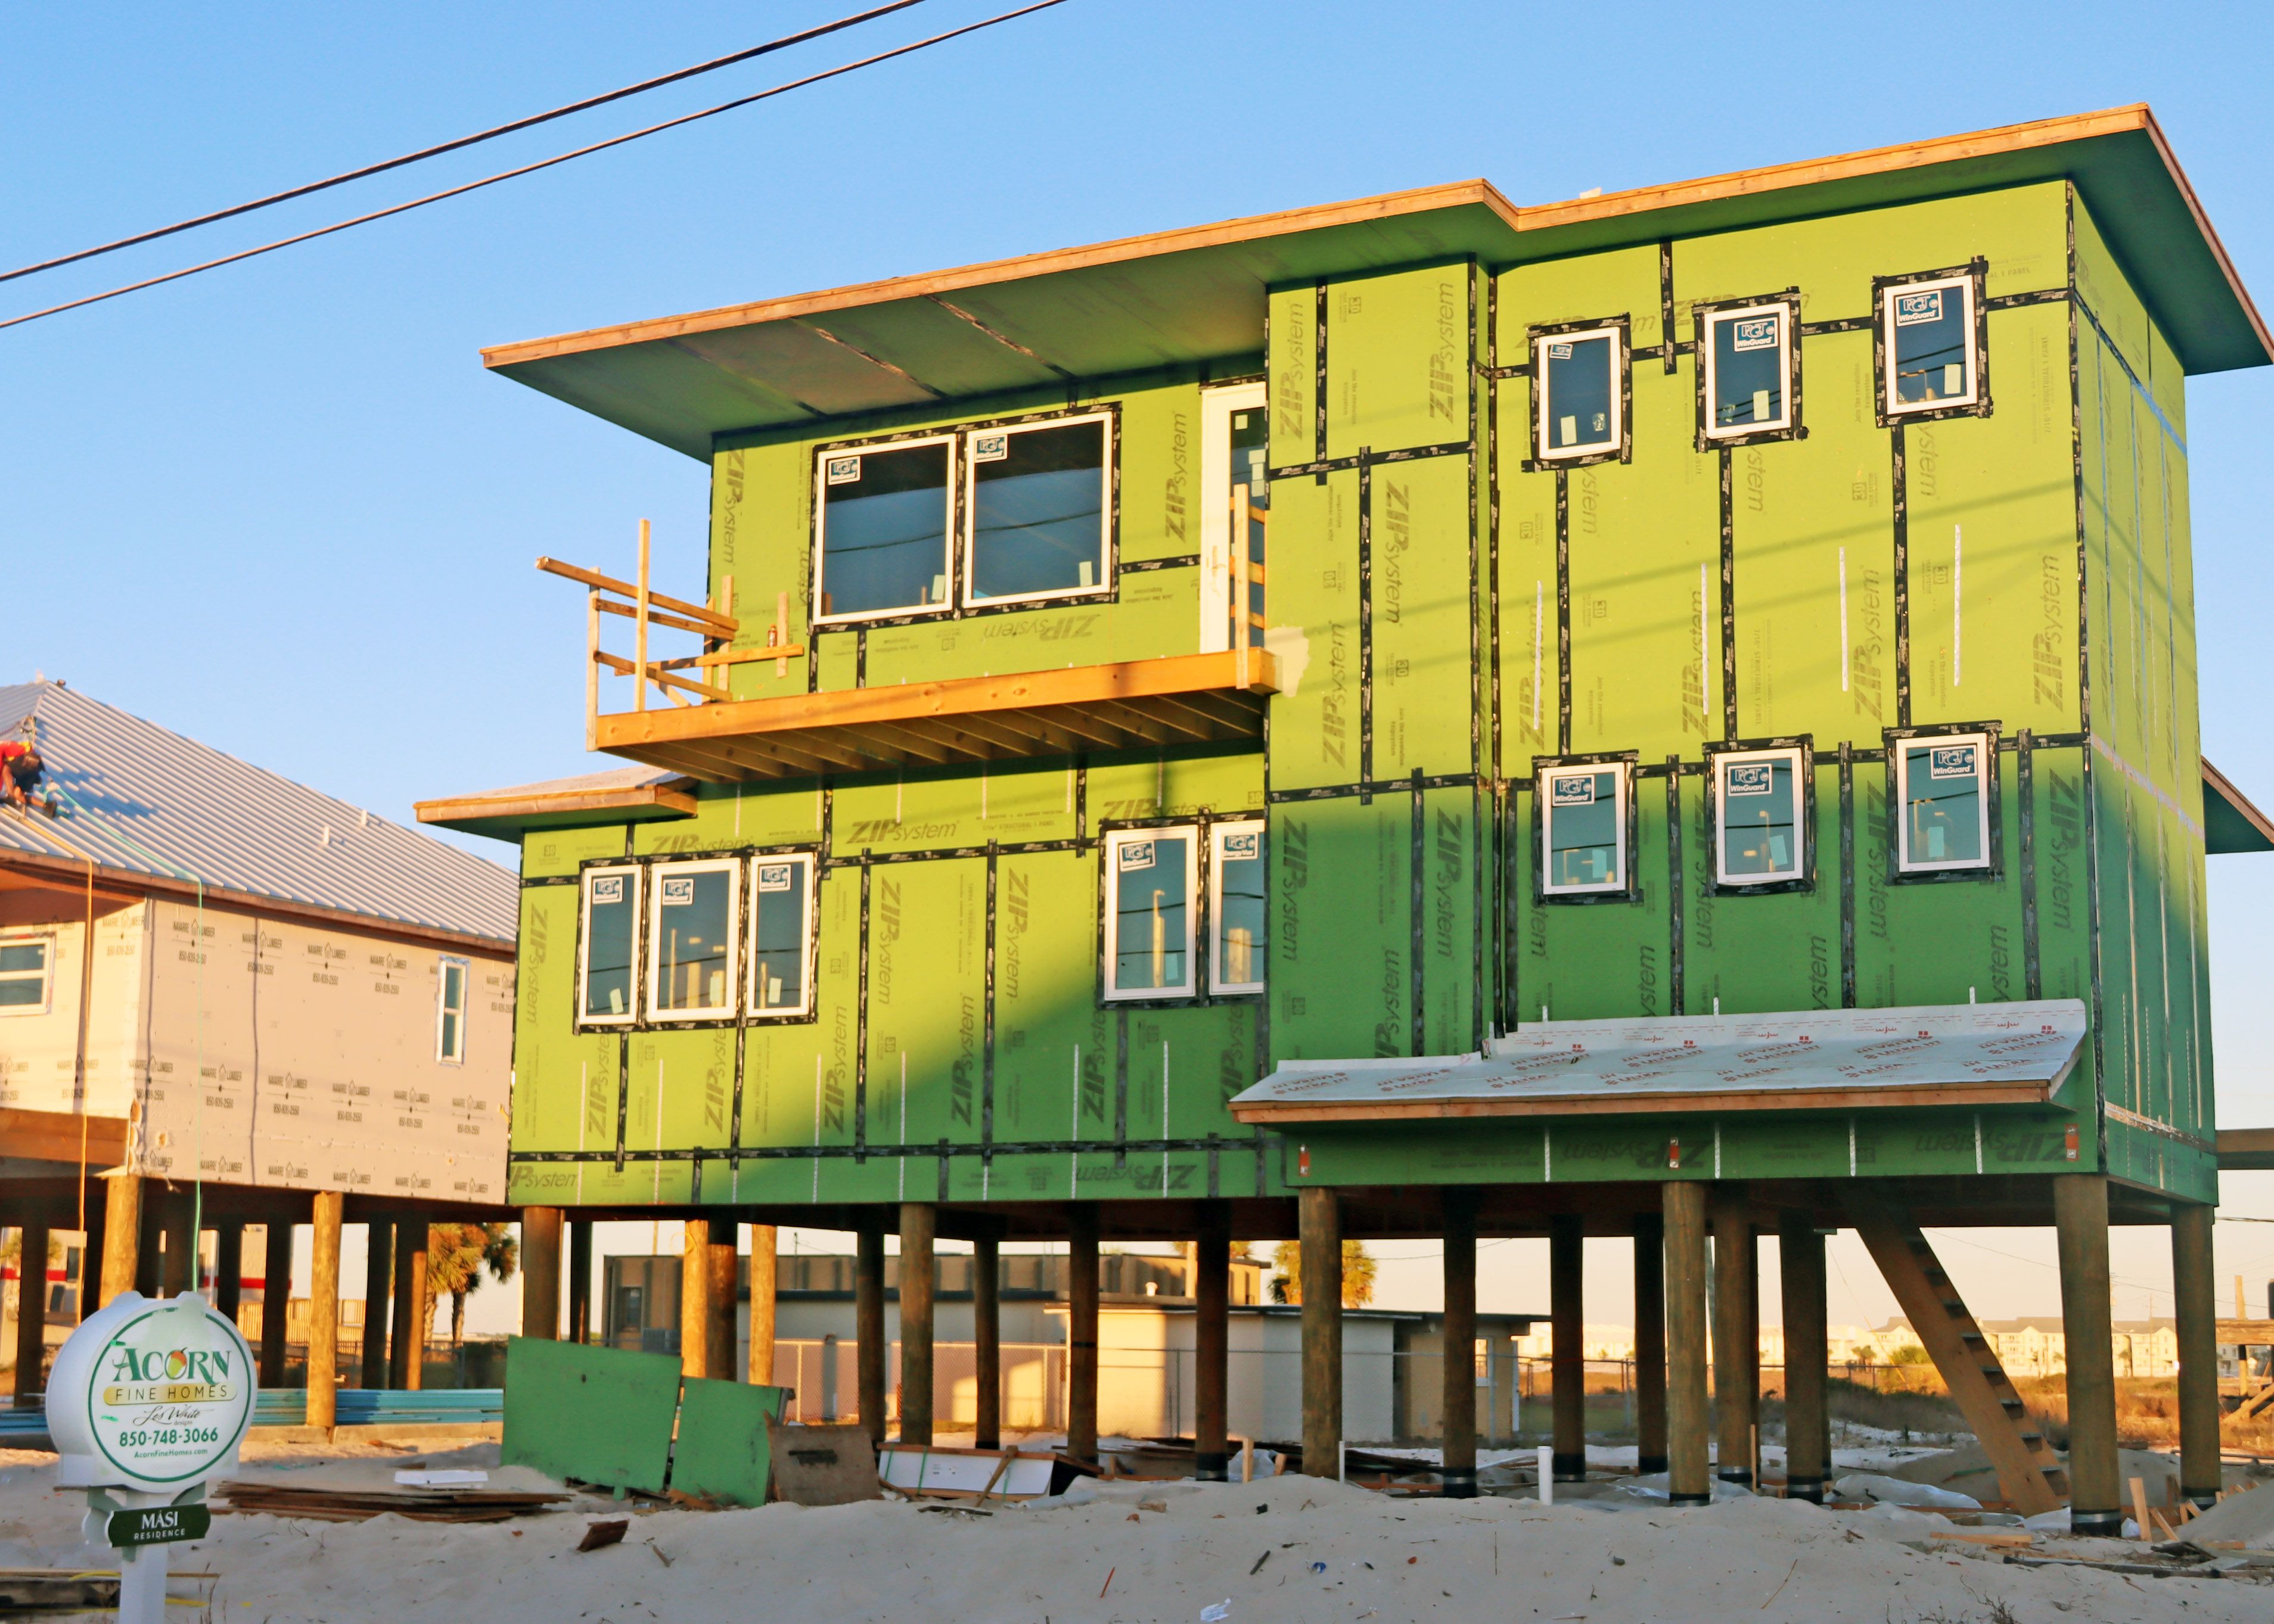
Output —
<point x="725" y="625"/>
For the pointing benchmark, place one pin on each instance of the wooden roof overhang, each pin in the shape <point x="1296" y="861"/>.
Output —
<point x="1178" y="700"/>
<point x="507" y="814"/>
<point x="1197" y="294"/>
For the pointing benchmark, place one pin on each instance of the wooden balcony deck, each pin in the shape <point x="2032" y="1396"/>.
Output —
<point x="1180" y="700"/>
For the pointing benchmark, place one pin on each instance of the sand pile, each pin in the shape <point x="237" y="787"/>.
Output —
<point x="1291" y="1549"/>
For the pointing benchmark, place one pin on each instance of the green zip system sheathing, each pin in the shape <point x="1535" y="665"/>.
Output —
<point x="1446" y="614"/>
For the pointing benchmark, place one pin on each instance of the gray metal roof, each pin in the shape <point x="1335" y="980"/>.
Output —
<point x="138" y="798"/>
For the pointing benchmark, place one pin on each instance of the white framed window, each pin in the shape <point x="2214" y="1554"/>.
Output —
<point x="1930" y="345"/>
<point x="1760" y="800"/>
<point x="1747" y="374"/>
<point x="1583" y="829"/>
<point x="1239" y="913"/>
<point x="1235" y="456"/>
<point x="781" y="935"/>
<point x="1150" y="877"/>
<point x="608" y="990"/>
<point x="28" y="965"/>
<point x="1039" y="509"/>
<point x="1942" y="801"/>
<point x="882" y="518"/>
<point x="1578" y="392"/>
<point x="451" y="975"/>
<point x="691" y="939"/>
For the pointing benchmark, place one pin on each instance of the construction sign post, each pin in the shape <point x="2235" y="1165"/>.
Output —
<point x="149" y="1399"/>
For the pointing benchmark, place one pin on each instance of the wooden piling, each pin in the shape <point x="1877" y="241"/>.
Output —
<point x="1650" y="1342"/>
<point x="1319" y="1217"/>
<point x="1212" y="1343"/>
<point x="580" y="1283"/>
<point x="2081" y="1232"/>
<point x="919" y="1282"/>
<point x="276" y="1299"/>
<point x="229" y="1267"/>
<point x="378" y="1299"/>
<point x="694" y="1297"/>
<point x="540" y="1272"/>
<point x="869" y="1328"/>
<point x="1689" y="1477"/>
<point x="1737" y="1338"/>
<point x="987" y="1340"/>
<point x="122" y="1234"/>
<point x="725" y="1264"/>
<point x="1567" y="1264"/>
<point x="323" y="1308"/>
<point x="178" y="1269"/>
<point x="407" y="1361"/>
<point x="31" y="1310"/>
<point x="1458" y="1468"/>
<point x="764" y="1274"/>
<point x="1081" y="1331"/>
<point x="2197" y="1292"/>
<point x="1807" y="1350"/>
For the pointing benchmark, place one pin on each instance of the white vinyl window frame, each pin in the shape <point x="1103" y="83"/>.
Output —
<point x="974" y="449"/>
<point x="43" y="976"/>
<point x="1890" y="404"/>
<point x="1224" y="839"/>
<point x="1545" y="404"/>
<point x="760" y="881"/>
<point x="1787" y="319"/>
<point x="1985" y="759"/>
<point x="1622" y="809"/>
<point x="1115" y="842"/>
<point x="949" y="526"/>
<point x="1217" y="583"/>
<point x="450" y="1036"/>
<point x="1724" y="765"/>
<point x="599" y="881"/>
<point x="658" y="900"/>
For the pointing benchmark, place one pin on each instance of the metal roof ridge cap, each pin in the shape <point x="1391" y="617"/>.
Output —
<point x="1015" y="267"/>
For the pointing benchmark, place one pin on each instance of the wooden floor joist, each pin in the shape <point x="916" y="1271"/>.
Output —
<point x="2030" y="1475"/>
<point x="1180" y="700"/>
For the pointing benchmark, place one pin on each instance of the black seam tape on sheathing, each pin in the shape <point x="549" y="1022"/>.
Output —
<point x="1319" y="381"/>
<point x="1522" y="369"/>
<point x="623" y="1092"/>
<point x="1899" y="496"/>
<point x="1138" y="566"/>
<point x="1364" y="622"/>
<point x="1335" y="465"/>
<point x="1666" y="301"/>
<point x="1379" y="786"/>
<point x="1675" y="996"/>
<point x="1417" y="903"/>
<point x="1121" y="1087"/>
<point x="534" y="882"/>
<point x="1728" y="599"/>
<point x="880" y="1152"/>
<point x="2025" y="787"/>
<point x="1847" y="875"/>
<point x="2017" y="301"/>
<point x="1845" y="324"/>
<point x="1564" y="612"/>
<point x="987" y="1015"/>
<point x="861" y="1026"/>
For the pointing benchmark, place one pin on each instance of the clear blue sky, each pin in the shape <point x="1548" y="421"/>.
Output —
<point x="281" y="506"/>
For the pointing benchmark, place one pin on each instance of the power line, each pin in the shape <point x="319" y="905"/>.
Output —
<point x="771" y="46"/>
<point x="530" y="168"/>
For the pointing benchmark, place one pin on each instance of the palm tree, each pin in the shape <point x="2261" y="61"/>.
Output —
<point x="1358" y="1273"/>
<point x="456" y="1255"/>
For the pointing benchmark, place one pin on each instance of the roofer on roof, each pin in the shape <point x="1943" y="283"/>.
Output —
<point x="20" y="771"/>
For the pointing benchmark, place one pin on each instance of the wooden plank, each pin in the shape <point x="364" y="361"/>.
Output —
<point x="630" y="612"/>
<point x="725" y="625"/>
<point x="629" y="798"/>
<point x="2246" y="1149"/>
<point x="1633" y="1104"/>
<point x="54" y="1136"/>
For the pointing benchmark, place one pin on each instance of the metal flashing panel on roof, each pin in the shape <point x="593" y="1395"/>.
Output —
<point x="1814" y="1059"/>
<point x="137" y="799"/>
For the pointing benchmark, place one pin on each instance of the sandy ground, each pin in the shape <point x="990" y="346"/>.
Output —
<point x="1292" y="1548"/>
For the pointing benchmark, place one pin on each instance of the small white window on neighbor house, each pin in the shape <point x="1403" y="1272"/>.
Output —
<point x="1760" y="798"/>
<point x="606" y="989"/>
<point x="884" y="514"/>
<point x="1235" y="904"/>
<point x="1039" y="509"/>
<point x="1942" y="794"/>
<point x="1150" y="876"/>
<point x="26" y="964"/>
<point x="1583" y="820"/>
<point x="1930" y="352"/>
<point x="1578" y="387"/>
<point x="781" y="935"/>
<point x="451" y="975"/>
<point x="1747" y="375"/>
<point x="690" y="945"/>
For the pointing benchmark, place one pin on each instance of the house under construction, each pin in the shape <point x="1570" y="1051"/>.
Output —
<point x="228" y="1000"/>
<point x="1666" y="715"/>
